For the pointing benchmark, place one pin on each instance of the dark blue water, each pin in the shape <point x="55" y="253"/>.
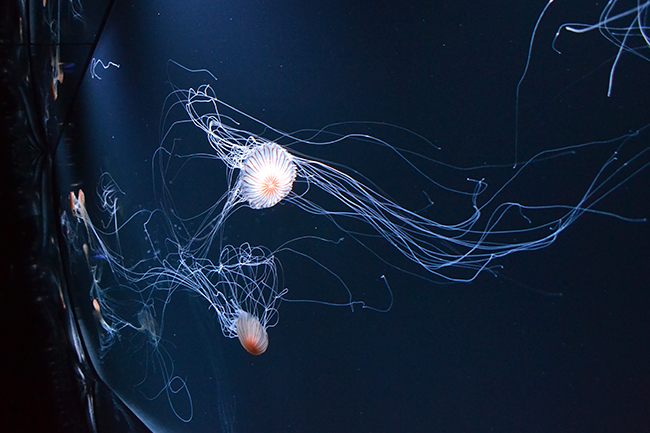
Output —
<point x="502" y="353"/>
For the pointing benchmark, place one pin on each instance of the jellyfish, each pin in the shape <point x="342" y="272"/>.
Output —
<point x="149" y="324"/>
<point x="174" y="387"/>
<point x="252" y="335"/>
<point x="262" y="173"/>
<point x="243" y="287"/>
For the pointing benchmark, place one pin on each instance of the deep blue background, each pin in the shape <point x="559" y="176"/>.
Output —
<point x="498" y="354"/>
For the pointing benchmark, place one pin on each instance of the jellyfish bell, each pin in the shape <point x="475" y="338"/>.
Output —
<point x="148" y="324"/>
<point x="251" y="334"/>
<point x="267" y="175"/>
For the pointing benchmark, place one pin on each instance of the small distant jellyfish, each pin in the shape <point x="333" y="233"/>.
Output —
<point x="96" y="306"/>
<point x="149" y="324"/>
<point x="251" y="334"/>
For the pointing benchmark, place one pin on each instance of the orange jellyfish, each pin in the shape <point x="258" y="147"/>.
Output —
<point x="251" y="334"/>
